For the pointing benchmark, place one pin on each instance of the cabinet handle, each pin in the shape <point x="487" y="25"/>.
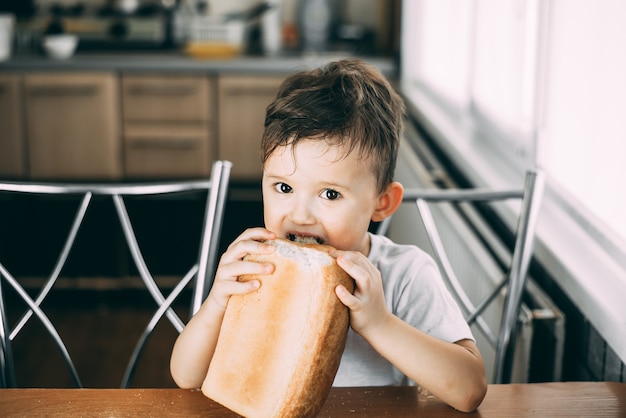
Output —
<point x="180" y="90"/>
<point x="248" y="91"/>
<point x="63" y="90"/>
<point x="165" y="143"/>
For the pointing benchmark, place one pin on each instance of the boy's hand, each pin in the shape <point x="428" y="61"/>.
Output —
<point x="232" y="265"/>
<point x="367" y="305"/>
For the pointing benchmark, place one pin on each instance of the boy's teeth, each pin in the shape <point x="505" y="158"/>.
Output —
<point x="303" y="240"/>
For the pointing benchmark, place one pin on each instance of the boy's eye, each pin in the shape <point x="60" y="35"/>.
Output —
<point x="283" y="188"/>
<point x="331" y="194"/>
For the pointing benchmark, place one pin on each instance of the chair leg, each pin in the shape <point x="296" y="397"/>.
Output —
<point x="209" y="244"/>
<point x="522" y="254"/>
<point x="7" y="378"/>
<point x="45" y="321"/>
<point x="132" y="364"/>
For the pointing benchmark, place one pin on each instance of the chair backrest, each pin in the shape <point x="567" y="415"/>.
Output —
<point x="199" y="276"/>
<point x="530" y="195"/>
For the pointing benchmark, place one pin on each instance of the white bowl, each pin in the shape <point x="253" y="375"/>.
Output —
<point x="60" y="46"/>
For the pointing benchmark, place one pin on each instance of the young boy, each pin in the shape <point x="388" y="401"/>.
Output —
<point x="329" y="152"/>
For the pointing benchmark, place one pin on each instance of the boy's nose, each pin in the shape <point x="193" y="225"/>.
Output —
<point x="301" y="213"/>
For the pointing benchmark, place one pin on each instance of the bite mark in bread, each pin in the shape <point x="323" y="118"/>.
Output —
<point x="303" y="239"/>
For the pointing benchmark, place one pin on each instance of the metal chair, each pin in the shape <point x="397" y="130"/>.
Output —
<point x="202" y="270"/>
<point x="530" y="195"/>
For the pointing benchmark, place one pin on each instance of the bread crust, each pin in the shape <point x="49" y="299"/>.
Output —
<point x="280" y="346"/>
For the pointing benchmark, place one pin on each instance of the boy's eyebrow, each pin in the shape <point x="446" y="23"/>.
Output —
<point x="329" y="184"/>
<point x="333" y="184"/>
<point x="274" y="176"/>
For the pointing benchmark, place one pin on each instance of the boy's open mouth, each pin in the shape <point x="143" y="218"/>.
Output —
<point x="303" y="239"/>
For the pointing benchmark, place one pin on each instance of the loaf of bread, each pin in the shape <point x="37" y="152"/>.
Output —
<point x="279" y="347"/>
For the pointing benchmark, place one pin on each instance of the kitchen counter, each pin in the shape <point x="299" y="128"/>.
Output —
<point x="577" y="399"/>
<point x="179" y="62"/>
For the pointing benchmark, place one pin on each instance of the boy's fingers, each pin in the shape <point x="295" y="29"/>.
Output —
<point x="220" y="294"/>
<point x="238" y="250"/>
<point x="239" y="288"/>
<point x="254" y="234"/>
<point x="231" y="271"/>
<point x="346" y="297"/>
<point x="249" y="286"/>
<point x="357" y="272"/>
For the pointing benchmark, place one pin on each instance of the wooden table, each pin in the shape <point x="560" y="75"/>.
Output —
<point x="575" y="399"/>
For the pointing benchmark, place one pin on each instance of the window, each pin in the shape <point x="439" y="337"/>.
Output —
<point x="583" y="135"/>
<point x="442" y="62"/>
<point x="536" y="83"/>
<point x="505" y="85"/>
<point x="503" y="82"/>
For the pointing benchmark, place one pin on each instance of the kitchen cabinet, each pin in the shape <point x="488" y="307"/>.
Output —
<point x="12" y="158"/>
<point x="167" y="125"/>
<point x="73" y="128"/>
<point x="242" y="102"/>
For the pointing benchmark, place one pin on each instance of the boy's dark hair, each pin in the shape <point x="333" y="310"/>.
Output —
<point x="345" y="103"/>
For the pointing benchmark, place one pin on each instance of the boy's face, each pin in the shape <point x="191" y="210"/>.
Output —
<point x="316" y="191"/>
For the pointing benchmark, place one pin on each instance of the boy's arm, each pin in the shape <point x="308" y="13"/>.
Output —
<point x="194" y="347"/>
<point x="454" y="373"/>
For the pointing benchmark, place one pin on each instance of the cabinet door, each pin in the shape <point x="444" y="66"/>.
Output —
<point x="12" y="162"/>
<point x="166" y="152"/>
<point x="241" y="111"/>
<point x="167" y="126"/>
<point x="154" y="98"/>
<point x="73" y="125"/>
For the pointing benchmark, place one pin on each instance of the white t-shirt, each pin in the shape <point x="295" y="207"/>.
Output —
<point x="416" y="293"/>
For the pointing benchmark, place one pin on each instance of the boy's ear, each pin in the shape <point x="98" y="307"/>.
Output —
<point x="388" y="201"/>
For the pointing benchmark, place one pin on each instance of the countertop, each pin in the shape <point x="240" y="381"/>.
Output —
<point x="179" y="62"/>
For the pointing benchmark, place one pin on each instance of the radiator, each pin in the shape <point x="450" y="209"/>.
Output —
<point x="477" y="256"/>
